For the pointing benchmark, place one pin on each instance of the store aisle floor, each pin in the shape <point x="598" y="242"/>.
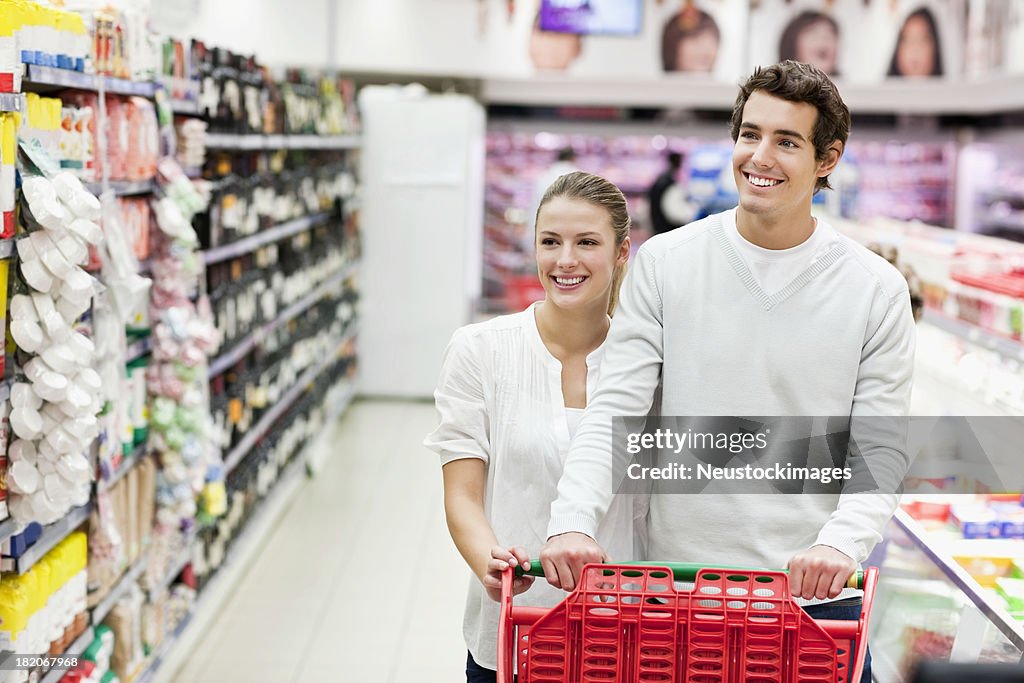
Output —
<point x="359" y="582"/>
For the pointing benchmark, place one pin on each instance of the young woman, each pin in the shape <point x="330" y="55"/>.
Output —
<point x="511" y="394"/>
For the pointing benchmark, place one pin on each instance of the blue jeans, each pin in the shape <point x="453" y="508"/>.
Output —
<point x="842" y="613"/>
<point x="478" y="674"/>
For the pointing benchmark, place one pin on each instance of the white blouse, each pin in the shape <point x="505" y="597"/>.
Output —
<point x="499" y="399"/>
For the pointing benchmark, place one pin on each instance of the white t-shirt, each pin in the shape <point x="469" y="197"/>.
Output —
<point x="499" y="399"/>
<point x="773" y="269"/>
<point x="572" y="419"/>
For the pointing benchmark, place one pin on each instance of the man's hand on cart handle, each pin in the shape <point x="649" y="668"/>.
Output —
<point x="564" y="556"/>
<point x="819" y="572"/>
<point x="687" y="571"/>
<point x="502" y="559"/>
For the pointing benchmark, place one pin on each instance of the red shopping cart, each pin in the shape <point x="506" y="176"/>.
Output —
<point x="633" y="623"/>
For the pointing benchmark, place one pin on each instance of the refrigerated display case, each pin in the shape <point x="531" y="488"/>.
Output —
<point x="927" y="606"/>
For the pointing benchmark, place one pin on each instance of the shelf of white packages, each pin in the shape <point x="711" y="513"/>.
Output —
<point x="243" y="347"/>
<point x="271" y="142"/>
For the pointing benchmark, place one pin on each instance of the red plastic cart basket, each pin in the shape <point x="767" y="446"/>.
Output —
<point x="632" y="624"/>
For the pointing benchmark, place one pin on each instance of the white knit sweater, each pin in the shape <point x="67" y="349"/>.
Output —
<point x="838" y="340"/>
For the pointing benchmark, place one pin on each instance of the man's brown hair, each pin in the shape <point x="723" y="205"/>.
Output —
<point x="799" y="82"/>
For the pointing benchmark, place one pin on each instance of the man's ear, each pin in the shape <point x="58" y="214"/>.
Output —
<point x="831" y="160"/>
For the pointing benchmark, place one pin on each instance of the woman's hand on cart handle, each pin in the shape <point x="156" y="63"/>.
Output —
<point x="819" y="572"/>
<point x="564" y="556"/>
<point x="502" y="559"/>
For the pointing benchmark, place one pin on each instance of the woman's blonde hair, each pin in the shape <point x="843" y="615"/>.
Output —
<point x="598" y="191"/>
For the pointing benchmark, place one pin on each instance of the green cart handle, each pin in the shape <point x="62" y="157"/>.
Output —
<point x="687" y="571"/>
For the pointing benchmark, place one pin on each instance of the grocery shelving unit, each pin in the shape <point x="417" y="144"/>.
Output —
<point x="275" y="234"/>
<point x="212" y="597"/>
<point x="1005" y="346"/>
<point x="127" y="463"/>
<point x="76" y="648"/>
<point x="124" y="188"/>
<point x="47" y="77"/>
<point x="256" y="337"/>
<point x="267" y="420"/>
<point x="232" y="141"/>
<point x="120" y="590"/>
<point x="184" y="97"/>
<point x="51" y="536"/>
<point x="10" y="101"/>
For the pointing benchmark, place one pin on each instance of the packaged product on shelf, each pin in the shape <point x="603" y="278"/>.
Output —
<point x="43" y="610"/>
<point x="8" y="157"/>
<point x="975" y="521"/>
<point x="54" y="405"/>
<point x="106" y="558"/>
<point x="4" y="427"/>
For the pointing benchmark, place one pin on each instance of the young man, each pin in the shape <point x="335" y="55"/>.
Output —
<point x="761" y="310"/>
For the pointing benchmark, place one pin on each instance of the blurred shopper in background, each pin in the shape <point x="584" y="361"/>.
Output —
<point x="669" y="208"/>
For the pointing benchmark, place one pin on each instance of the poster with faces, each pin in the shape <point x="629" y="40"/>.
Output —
<point x="817" y="32"/>
<point x="704" y="37"/>
<point x="861" y="42"/>
<point x="912" y="39"/>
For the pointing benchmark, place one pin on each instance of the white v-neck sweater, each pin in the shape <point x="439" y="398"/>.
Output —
<point x="837" y="340"/>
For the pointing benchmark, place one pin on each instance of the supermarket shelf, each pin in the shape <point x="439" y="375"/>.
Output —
<point x="65" y="78"/>
<point x="6" y="248"/>
<point x="52" y="535"/>
<point x="274" y="142"/>
<point x="315" y="464"/>
<point x="124" y="188"/>
<point x="10" y="101"/>
<point x="76" y="648"/>
<point x="274" y="234"/>
<point x="906" y="96"/>
<point x="127" y="463"/>
<point x="1005" y="346"/>
<point x="220" y="587"/>
<point x="1014" y="221"/>
<point x="239" y="350"/>
<point x="256" y="432"/>
<point x="7" y="529"/>
<point x="938" y="553"/>
<point x="120" y="589"/>
<point x="147" y="673"/>
<point x="177" y="568"/>
<point x="140" y="348"/>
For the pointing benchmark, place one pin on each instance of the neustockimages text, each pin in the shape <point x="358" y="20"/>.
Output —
<point x="777" y="472"/>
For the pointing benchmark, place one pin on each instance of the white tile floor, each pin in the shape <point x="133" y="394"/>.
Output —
<point x="360" y="581"/>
